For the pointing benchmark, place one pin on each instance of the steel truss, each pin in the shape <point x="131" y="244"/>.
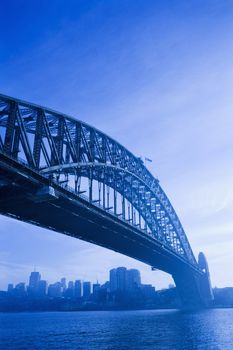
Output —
<point x="69" y="151"/>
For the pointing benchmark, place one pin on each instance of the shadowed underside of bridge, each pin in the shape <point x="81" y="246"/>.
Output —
<point x="62" y="174"/>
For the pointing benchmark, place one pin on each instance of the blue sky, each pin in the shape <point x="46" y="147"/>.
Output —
<point x="155" y="75"/>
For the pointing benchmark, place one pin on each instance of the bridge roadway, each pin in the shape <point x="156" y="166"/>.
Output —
<point x="28" y="196"/>
<point x="59" y="150"/>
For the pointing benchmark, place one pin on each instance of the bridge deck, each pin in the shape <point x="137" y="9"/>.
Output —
<point x="22" y="197"/>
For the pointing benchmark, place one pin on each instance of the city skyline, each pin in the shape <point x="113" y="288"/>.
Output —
<point x="123" y="289"/>
<point x="120" y="278"/>
<point x="149" y="62"/>
<point x="65" y="281"/>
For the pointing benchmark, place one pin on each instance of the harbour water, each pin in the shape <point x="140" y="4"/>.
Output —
<point x="118" y="330"/>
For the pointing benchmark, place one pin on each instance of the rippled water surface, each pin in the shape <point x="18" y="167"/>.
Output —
<point x="118" y="330"/>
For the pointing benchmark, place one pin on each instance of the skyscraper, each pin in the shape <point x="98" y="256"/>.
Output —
<point x="42" y="288"/>
<point x="34" y="280"/>
<point x="70" y="284"/>
<point x="20" y="289"/>
<point x="63" y="283"/>
<point x="121" y="278"/>
<point x="77" y="289"/>
<point x="113" y="280"/>
<point x="55" y="290"/>
<point x="86" y="289"/>
<point x="96" y="288"/>
<point x="133" y="279"/>
<point x="118" y="279"/>
<point x="69" y="292"/>
<point x="10" y="287"/>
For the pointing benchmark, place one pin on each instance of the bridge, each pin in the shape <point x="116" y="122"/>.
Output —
<point x="62" y="174"/>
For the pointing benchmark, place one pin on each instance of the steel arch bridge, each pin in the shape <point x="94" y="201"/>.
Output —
<point x="62" y="174"/>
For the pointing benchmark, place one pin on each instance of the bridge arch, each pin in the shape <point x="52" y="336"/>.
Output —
<point x="62" y="151"/>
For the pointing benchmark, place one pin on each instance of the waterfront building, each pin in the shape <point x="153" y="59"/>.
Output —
<point x="95" y="288"/>
<point x="20" y="289"/>
<point x="63" y="283"/>
<point x="10" y="287"/>
<point x="121" y="278"/>
<point x="42" y="288"/>
<point x="113" y="280"/>
<point x="78" y="289"/>
<point x="86" y="289"/>
<point x="133" y="279"/>
<point x="34" y="280"/>
<point x="69" y="292"/>
<point x="148" y="291"/>
<point x="55" y="290"/>
<point x="71" y="285"/>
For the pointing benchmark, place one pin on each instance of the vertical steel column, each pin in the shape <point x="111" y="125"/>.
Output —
<point x="67" y="157"/>
<point x="60" y="139"/>
<point x="108" y="204"/>
<point x="90" y="185"/>
<point x="123" y="197"/>
<point x="79" y="183"/>
<point x="24" y="139"/>
<point x="132" y="216"/>
<point x="78" y="140"/>
<point x="129" y="211"/>
<point x="99" y="189"/>
<point x="139" y="207"/>
<point x="104" y="161"/>
<point x="115" y="194"/>
<point x="10" y="127"/>
<point x="16" y="143"/>
<point x="76" y="180"/>
<point x="50" y="138"/>
<point x="38" y="138"/>
<point x="1" y="143"/>
<point x="104" y="174"/>
<point x="92" y="145"/>
<point x="132" y="213"/>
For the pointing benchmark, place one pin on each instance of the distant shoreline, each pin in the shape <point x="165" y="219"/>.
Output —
<point x="115" y="309"/>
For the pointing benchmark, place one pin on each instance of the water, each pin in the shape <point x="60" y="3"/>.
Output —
<point x="118" y="330"/>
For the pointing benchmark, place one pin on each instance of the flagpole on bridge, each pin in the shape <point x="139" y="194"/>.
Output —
<point x="147" y="160"/>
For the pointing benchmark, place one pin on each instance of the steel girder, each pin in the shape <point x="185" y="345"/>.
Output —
<point x="68" y="150"/>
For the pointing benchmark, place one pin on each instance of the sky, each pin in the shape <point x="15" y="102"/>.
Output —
<point x="155" y="75"/>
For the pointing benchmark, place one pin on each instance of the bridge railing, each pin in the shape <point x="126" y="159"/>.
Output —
<point x="46" y="139"/>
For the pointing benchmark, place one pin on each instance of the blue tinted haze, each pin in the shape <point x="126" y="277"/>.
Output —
<point x="155" y="75"/>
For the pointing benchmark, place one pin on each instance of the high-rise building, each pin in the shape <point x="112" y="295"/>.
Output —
<point x="113" y="280"/>
<point x="86" y="289"/>
<point x="69" y="292"/>
<point x="148" y="291"/>
<point x="70" y="284"/>
<point x="20" y="289"/>
<point x="95" y="288"/>
<point x="133" y="279"/>
<point x="10" y="288"/>
<point x="77" y="289"/>
<point x="34" y="279"/>
<point x="121" y="278"/>
<point x="55" y="290"/>
<point x="42" y="288"/>
<point x="118" y="279"/>
<point x="63" y="283"/>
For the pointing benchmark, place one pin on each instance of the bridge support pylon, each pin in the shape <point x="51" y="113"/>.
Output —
<point x="194" y="289"/>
